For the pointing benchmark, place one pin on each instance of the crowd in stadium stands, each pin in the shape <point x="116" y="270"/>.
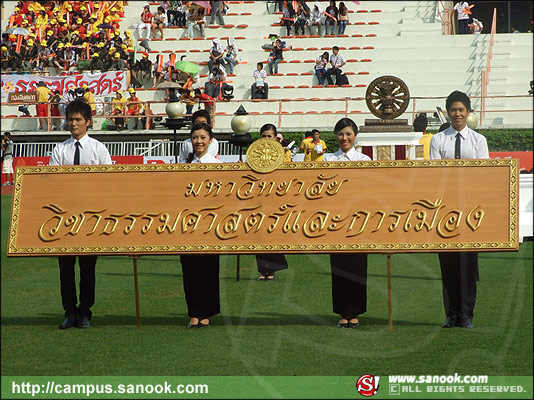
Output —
<point x="75" y="36"/>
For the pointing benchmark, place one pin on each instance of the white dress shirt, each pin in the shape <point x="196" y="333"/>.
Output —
<point x="92" y="152"/>
<point x="205" y="159"/>
<point x="336" y="61"/>
<point x="187" y="148"/>
<point x="351" y="155"/>
<point x="473" y="145"/>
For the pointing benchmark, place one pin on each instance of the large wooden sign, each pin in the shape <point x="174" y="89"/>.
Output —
<point x="382" y="206"/>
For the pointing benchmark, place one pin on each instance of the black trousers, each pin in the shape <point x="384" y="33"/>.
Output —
<point x="337" y="72"/>
<point x="201" y="284"/>
<point x="68" y="284"/>
<point x="349" y="283"/>
<point x="459" y="273"/>
<point x="269" y="263"/>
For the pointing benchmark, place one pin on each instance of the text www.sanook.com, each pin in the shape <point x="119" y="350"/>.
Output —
<point x="461" y="379"/>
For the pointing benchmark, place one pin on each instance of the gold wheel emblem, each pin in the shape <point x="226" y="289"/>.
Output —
<point x="265" y="155"/>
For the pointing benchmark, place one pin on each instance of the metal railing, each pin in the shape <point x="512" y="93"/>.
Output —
<point x="150" y="148"/>
<point x="446" y="16"/>
<point x="338" y="106"/>
<point x="484" y="78"/>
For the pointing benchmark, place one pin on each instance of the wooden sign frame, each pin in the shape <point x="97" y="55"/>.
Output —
<point x="389" y="206"/>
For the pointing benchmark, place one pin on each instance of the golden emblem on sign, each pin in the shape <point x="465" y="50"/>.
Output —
<point x="265" y="155"/>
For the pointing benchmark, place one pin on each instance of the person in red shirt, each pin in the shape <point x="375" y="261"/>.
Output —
<point x="206" y="100"/>
<point x="146" y="22"/>
<point x="133" y="106"/>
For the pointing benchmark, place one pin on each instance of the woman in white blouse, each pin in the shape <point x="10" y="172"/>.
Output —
<point x="349" y="270"/>
<point x="201" y="271"/>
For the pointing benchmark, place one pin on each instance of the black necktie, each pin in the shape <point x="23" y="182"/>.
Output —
<point x="77" y="153"/>
<point x="457" y="152"/>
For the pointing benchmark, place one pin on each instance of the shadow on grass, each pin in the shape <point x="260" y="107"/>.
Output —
<point x="262" y="319"/>
<point x="393" y="276"/>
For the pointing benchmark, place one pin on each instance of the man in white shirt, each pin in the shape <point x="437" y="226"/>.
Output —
<point x="260" y="88"/>
<point x="337" y="61"/>
<point x="199" y="116"/>
<point x="459" y="270"/>
<point x="216" y="54"/>
<point x="79" y="149"/>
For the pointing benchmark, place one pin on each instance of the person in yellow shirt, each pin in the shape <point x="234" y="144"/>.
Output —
<point x="305" y="146"/>
<point x="317" y="147"/>
<point x="89" y="98"/>
<point x="42" y="19"/>
<point x="43" y="95"/>
<point x="117" y="108"/>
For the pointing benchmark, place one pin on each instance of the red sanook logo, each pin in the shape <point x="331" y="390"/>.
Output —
<point x="367" y="385"/>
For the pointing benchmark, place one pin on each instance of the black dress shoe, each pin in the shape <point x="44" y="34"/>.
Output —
<point x="451" y="322"/>
<point x="192" y="326"/>
<point x="467" y="323"/>
<point x="353" y="324"/>
<point x="69" y="322"/>
<point x="83" y="322"/>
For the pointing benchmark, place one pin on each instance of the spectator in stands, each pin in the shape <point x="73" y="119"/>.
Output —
<point x="54" y="110"/>
<point x="96" y="63"/>
<point x="190" y="20"/>
<point x="117" y="109"/>
<point x="306" y="145"/>
<point x="337" y="61"/>
<point x="146" y="22"/>
<point x="216" y="54"/>
<point x="7" y="159"/>
<point x="160" y="22"/>
<point x="320" y="67"/>
<point x="89" y="98"/>
<point x="462" y="8"/>
<point x="217" y="82"/>
<point x="301" y="19"/>
<point x="343" y="15"/>
<point x="134" y="106"/>
<point x="200" y="116"/>
<point x="68" y="97"/>
<point x="318" y="146"/>
<point x="231" y="54"/>
<point x="476" y="27"/>
<point x="175" y="14"/>
<point x="159" y="70"/>
<point x="43" y="96"/>
<point x="187" y="96"/>
<point x="5" y="62"/>
<point x="288" y="14"/>
<point x="142" y="71"/>
<point x="260" y="88"/>
<point x="83" y="150"/>
<point x="118" y="64"/>
<point x="276" y="56"/>
<point x="200" y="20"/>
<point x="216" y="11"/>
<point x="331" y="17"/>
<point x="317" y="18"/>
<point x="208" y="101"/>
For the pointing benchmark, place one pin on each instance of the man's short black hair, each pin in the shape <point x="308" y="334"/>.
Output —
<point x="201" y="113"/>
<point x="81" y="107"/>
<point x="308" y="134"/>
<point x="420" y="122"/>
<point x="260" y="64"/>
<point x="7" y="134"/>
<point x="314" y="131"/>
<point x="458" y="96"/>
<point x="335" y="48"/>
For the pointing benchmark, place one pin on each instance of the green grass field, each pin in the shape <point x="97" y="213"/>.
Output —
<point x="285" y="327"/>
